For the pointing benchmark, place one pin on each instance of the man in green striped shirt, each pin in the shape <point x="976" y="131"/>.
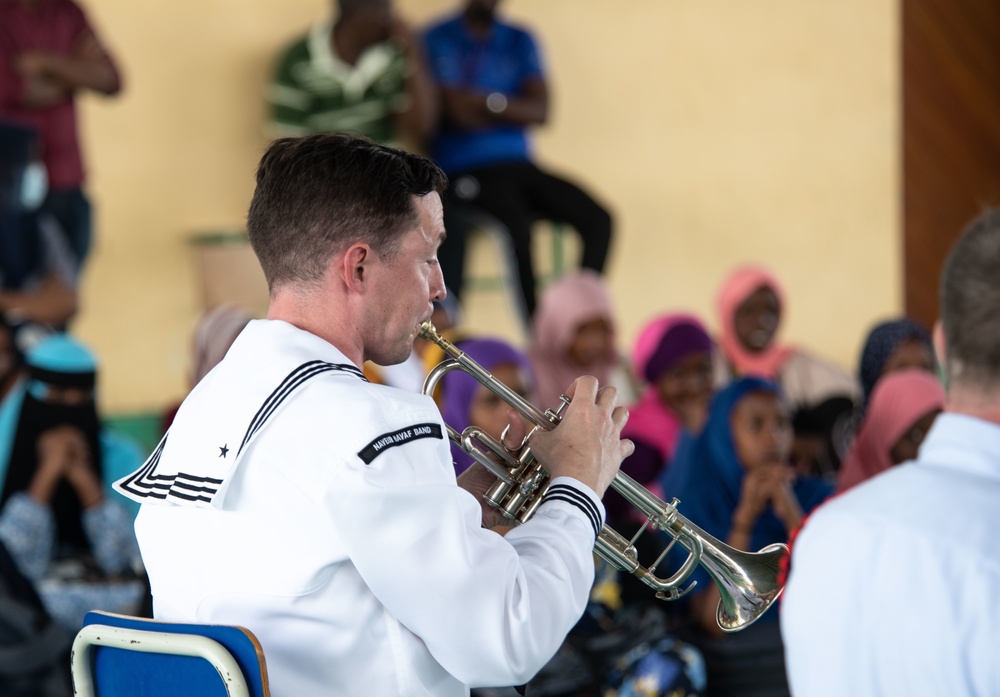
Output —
<point x="363" y="72"/>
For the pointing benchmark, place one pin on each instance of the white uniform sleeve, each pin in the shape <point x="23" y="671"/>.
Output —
<point x="492" y="610"/>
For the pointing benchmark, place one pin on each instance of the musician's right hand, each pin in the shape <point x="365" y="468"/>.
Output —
<point x="587" y="444"/>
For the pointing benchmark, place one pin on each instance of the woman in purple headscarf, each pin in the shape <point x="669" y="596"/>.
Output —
<point x="464" y="402"/>
<point x="673" y="357"/>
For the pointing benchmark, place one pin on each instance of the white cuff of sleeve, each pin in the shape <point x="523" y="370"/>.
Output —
<point x="575" y="493"/>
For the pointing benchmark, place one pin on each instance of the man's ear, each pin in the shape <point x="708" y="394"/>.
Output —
<point x="937" y="336"/>
<point x="356" y="266"/>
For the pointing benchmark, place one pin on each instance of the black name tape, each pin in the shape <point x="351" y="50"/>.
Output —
<point x="403" y="435"/>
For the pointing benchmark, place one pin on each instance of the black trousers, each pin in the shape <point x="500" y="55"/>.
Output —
<point x="518" y="194"/>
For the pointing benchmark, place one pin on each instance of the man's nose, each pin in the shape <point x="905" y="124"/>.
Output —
<point x="438" y="290"/>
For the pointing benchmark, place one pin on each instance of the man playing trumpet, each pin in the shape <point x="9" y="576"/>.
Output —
<point x="320" y="511"/>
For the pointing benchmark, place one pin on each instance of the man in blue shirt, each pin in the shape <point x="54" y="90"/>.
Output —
<point x="893" y="584"/>
<point x="492" y="89"/>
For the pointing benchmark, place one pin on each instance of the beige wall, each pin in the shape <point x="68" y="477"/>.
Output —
<point x="718" y="131"/>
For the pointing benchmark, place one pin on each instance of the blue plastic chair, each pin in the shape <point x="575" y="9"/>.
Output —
<point x="121" y="656"/>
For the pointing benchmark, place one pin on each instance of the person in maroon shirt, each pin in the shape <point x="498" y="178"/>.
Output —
<point x="49" y="54"/>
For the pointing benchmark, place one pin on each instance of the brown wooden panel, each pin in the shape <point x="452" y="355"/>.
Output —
<point x="951" y="133"/>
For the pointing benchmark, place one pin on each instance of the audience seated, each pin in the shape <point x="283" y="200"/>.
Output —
<point x="734" y="481"/>
<point x="493" y="90"/>
<point x="58" y="518"/>
<point x="820" y="395"/>
<point x="903" y="406"/>
<point x="363" y="71"/>
<point x="214" y="332"/>
<point x="573" y="334"/>
<point x="37" y="268"/>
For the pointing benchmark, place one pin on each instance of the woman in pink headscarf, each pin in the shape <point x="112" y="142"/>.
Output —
<point x="903" y="406"/>
<point x="573" y="334"/>
<point x="751" y="303"/>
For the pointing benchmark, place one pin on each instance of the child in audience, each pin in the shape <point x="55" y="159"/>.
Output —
<point x="903" y="407"/>
<point x="735" y="482"/>
<point x="573" y="334"/>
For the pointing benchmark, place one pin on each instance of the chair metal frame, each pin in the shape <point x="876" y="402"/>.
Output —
<point x="179" y="640"/>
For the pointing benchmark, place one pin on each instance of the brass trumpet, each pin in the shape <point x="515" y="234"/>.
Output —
<point x="747" y="581"/>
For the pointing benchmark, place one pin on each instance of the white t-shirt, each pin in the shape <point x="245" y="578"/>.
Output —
<point x="321" y="512"/>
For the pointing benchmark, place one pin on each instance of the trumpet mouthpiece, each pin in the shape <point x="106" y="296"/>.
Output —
<point x="428" y="331"/>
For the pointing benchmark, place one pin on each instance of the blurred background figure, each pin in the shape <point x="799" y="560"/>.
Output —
<point x="465" y="402"/>
<point x="10" y="358"/>
<point x="215" y="331"/>
<point x="493" y="89"/>
<point x="902" y="409"/>
<point x="573" y="334"/>
<point x="34" y="650"/>
<point x="823" y="433"/>
<point x="58" y="519"/>
<point x="892" y="345"/>
<point x="735" y="482"/>
<point x="37" y="269"/>
<point x="50" y="55"/>
<point x="362" y="71"/>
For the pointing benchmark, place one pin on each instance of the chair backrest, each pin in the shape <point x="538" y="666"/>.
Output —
<point x="121" y="656"/>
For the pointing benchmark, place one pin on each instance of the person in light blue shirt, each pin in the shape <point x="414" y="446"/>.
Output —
<point x="893" y="585"/>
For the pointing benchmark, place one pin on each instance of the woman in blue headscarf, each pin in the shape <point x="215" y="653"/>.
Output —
<point x="735" y="482"/>
<point x="893" y="345"/>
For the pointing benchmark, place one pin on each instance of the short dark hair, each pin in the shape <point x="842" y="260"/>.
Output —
<point x="319" y="194"/>
<point x="970" y="304"/>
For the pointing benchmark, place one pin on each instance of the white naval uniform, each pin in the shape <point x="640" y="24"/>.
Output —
<point x="294" y="498"/>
